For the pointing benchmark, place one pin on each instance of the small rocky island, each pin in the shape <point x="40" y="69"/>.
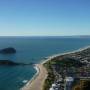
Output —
<point x="9" y="50"/>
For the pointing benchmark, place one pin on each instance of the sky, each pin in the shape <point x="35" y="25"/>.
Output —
<point x="44" y="17"/>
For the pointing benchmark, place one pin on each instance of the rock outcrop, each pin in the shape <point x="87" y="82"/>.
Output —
<point x="8" y="50"/>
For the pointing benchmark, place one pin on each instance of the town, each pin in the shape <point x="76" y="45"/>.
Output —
<point x="69" y="72"/>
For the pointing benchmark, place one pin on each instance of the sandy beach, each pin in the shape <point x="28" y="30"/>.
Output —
<point x="37" y="81"/>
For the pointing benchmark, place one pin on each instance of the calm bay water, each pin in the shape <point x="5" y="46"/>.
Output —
<point x="32" y="49"/>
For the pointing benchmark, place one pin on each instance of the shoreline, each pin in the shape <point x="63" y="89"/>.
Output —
<point x="37" y="81"/>
<point x="37" y="67"/>
<point x="60" y="54"/>
<point x="33" y="78"/>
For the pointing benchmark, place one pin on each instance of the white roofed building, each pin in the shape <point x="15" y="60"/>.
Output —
<point x="69" y="79"/>
<point x="51" y="89"/>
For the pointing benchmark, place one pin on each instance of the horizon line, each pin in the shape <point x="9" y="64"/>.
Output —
<point x="43" y="35"/>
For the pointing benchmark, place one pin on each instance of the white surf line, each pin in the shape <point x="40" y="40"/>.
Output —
<point x="60" y="54"/>
<point x="33" y="78"/>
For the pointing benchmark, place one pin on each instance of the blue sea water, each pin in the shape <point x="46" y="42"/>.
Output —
<point x="32" y="49"/>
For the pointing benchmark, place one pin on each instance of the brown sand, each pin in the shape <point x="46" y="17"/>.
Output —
<point x="38" y="82"/>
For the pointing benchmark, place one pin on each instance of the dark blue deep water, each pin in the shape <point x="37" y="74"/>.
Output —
<point x="32" y="49"/>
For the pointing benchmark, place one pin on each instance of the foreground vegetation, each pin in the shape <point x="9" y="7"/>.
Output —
<point x="50" y="77"/>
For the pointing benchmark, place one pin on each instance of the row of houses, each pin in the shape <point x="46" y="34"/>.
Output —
<point x="62" y="84"/>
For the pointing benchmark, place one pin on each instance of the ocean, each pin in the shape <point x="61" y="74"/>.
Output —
<point x="32" y="50"/>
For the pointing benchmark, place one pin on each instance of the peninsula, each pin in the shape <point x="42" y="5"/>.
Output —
<point x="12" y="63"/>
<point x="69" y="71"/>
